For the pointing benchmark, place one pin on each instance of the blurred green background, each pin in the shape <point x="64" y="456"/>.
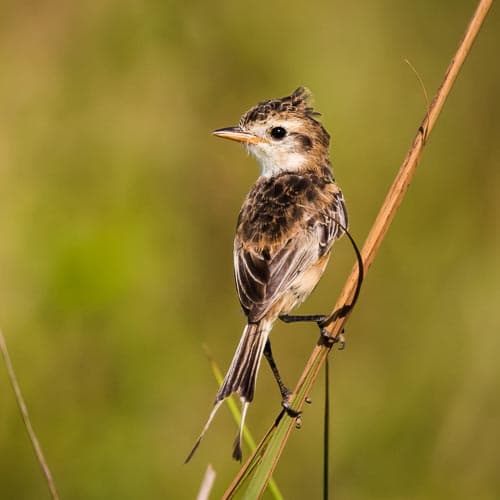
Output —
<point x="117" y="216"/>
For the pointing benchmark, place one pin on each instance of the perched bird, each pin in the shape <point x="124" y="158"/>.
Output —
<point x="286" y="228"/>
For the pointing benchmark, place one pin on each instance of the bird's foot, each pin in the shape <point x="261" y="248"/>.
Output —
<point x="329" y="339"/>
<point x="285" y="403"/>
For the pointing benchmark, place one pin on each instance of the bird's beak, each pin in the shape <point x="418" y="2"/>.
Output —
<point x="237" y="134"/>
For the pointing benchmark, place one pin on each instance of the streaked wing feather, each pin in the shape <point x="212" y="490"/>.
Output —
<point x="261" y="281"/>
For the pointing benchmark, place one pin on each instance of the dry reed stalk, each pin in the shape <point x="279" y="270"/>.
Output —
<point x="375" y="236"/>
<point x="26" y="419"/>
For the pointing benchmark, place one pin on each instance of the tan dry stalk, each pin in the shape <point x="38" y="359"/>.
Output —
<point x="26" y="419"/>
<point x="379" y="229"/>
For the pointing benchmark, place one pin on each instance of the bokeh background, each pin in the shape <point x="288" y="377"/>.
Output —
<point x="117" y="216"/>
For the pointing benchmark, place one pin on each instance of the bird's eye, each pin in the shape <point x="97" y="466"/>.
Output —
<point x="278" y="132"/>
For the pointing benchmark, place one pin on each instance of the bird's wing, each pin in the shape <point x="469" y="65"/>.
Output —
<point x="264" y="272"/>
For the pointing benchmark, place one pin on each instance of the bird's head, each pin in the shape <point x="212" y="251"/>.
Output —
<point x="282" y="134"/>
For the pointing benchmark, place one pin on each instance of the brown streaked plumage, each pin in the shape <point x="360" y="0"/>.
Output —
<point x="286" y="224"/>
<point x="285" y="231"/>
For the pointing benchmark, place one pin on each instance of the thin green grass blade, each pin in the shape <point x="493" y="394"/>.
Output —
<point x="247" y="435"/>
<point x="255" y="473"/>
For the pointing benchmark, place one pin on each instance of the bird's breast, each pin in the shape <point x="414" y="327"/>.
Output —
<point x="279" y="206"/>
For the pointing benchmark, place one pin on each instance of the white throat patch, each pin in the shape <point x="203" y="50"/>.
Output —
<point x="290" y="163"/>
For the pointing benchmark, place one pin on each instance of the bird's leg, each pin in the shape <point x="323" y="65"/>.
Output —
<point x="285" y="393"/>
<point x="322" y="320"/>
<point x="313" y="318"/>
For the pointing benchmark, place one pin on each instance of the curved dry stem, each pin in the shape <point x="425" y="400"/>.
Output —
<point x="26" y="419"/>
<point x="372" y="244"/>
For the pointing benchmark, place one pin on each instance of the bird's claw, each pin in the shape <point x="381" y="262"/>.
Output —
<point x="329" y="339"/>
<point x="298" y="422"/>
<point x="341" y="340"/>
<point x="288" y="409"/>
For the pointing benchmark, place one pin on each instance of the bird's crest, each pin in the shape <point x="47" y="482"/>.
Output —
<point x="298" y="103"/>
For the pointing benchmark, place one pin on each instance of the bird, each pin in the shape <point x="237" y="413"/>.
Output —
<point x="285" y="231"/>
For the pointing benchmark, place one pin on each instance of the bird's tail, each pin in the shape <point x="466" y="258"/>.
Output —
<point x="241" y="377"/>
<point x="242" y="373"/>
